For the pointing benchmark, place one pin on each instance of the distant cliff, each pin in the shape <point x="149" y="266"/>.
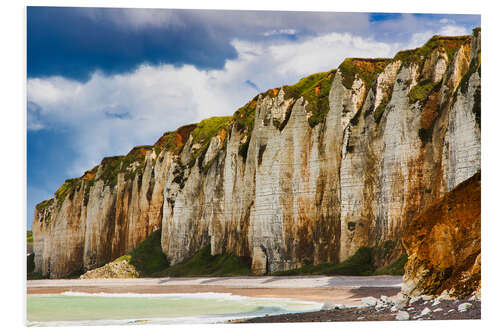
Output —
<point x="301" y="174"/>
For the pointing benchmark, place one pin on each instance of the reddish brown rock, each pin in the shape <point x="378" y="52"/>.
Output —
<point x="444" y="244"/>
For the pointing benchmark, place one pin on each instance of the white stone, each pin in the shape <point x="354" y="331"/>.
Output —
<point x="425" y="311"/>
<point x="328" y="306"/>
<point x="464" y="307"/>
<point x="368" y="301"/>
<point x="401" y="301"/>
<point x="415" y="299"/>
<point x="385" y="299"/>
<point x="402" y="315"/>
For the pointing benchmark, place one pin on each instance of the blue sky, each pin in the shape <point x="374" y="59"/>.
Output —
<point x="101" y="81"/>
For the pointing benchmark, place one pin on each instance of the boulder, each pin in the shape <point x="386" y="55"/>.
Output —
<point x="368" y="301"/>
<point x="464" y="307"/>
<point x="402" y="315"/>
<point x="425" y="312"/>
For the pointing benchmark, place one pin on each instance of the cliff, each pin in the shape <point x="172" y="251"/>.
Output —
<point x="301" y="174"/>
<point x="444" y="245"/>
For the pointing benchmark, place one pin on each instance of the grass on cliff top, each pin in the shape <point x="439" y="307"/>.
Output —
<point x="147" y="257"/>
<point x="202" y="263"/>
<point x="173" y="141"/>
<point x="360" y="263"/>
<point x="29" y="236"/>
<point x="366" y="69"/>
<point x="206" y="130"/>
<point x="417" y="56"/>
<point x="67" y="188"/>
<point x="315" y="89"/>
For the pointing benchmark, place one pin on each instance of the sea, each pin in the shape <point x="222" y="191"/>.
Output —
<point x="85" y="309"/>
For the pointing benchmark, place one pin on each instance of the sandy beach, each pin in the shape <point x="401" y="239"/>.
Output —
<point x="337" y="289"/>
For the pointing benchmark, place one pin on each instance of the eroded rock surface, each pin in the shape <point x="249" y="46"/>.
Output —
<point x="301" y="174"/>
<point x="444" y="245"/>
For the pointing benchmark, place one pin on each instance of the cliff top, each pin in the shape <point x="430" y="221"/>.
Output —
<point x="450" y="45"/>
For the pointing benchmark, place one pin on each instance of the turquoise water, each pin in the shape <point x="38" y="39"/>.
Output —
<point x="101" y="309"/>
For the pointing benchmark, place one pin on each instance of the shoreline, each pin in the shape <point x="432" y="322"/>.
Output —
<point x="347" y="291"/>
<point x="336" y="289"/>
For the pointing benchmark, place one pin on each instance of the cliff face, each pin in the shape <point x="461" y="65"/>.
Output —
<point x="444" y="245"/>
<point x="301" y="174"/>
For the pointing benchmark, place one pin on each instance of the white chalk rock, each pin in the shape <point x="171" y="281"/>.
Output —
<point x="402" y="315"/>
<point x="368" y="301"/>
<point x="464" y="307"/>
<point x="425" y="311"/>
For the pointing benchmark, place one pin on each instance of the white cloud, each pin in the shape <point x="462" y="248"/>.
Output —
<point x="453" y="30"/>
<point x="420" y="38"/>
<point x="280" y="32"/>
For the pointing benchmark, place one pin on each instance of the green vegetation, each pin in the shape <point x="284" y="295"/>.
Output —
<point x="110" y="169"/>
<point x="422" y="90"/>
<point x="206" y="130"/>
<point x="244" y="119"/>
<point x="315" y="90"/>
<point x="450" y="45"/>
<point x="35" y="276"/>
<point x="134" y="162"/>
<point x="396" y="268"/>
<point x="305" y="84"/>
<point x="202" y="263"/>
<point x="360" y="263"/>
<point x="379" y="111"/>
<point x="44" y="205"/>
<point x="150" y="261"/>
<point x="367" y="70"/>
<point x="476" y="108"/>
<point x="147" y="257"/>
<point x="69" y="186"/>
<point x="29" y="236"/>
<point x="30" y="261"/>
<point x="464" y="82"/>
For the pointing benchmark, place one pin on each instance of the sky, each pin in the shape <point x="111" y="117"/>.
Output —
<point x="103" y="80"/>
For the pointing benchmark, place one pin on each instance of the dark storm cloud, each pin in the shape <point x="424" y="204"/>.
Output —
<point x="75" y="42"/>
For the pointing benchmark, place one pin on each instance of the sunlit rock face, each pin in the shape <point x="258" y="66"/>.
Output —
<point x="302" y="174"/>
<point x="444" y="245"/>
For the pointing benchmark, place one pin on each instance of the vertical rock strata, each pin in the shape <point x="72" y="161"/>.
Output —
<point x="301" y="174"/>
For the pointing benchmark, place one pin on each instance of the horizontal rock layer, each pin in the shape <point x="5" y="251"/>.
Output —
<point x="301" y="174"/>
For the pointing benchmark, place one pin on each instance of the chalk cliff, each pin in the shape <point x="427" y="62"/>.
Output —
<point x="301" y="174"/>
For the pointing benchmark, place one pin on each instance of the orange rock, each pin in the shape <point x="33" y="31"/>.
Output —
<point x="444" y="244"/>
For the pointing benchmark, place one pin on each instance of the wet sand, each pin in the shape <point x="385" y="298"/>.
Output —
<point x="337" y="289"/>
